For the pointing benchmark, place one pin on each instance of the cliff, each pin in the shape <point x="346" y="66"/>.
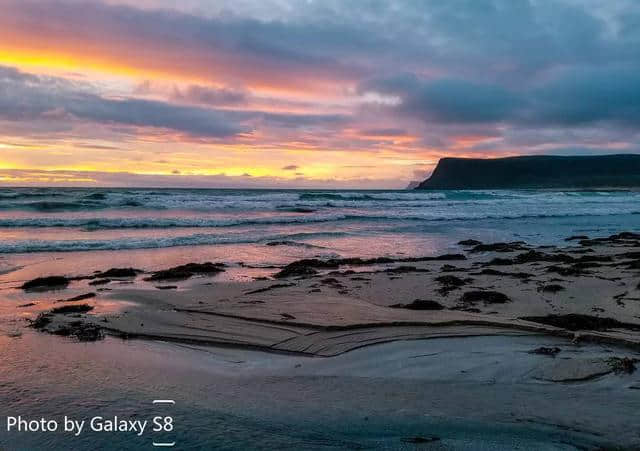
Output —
<point x="610" y="171"/>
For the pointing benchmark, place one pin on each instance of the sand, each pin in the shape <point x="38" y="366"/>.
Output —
<point x="328" y="311"/>
<point x="346" y="335"/>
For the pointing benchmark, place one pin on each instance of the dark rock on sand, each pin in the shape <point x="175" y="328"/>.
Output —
<point x="487" y="297"/>
<point x="419" y="439"/>
<point x="420" y="304"/>
<point x="304" y="267"/>
<point x="118" y="273"/>
<point x="187" y="271"/>
<point x="546" y="351"/>
<point x="537" y="256"/>
<point x="65" y="309"/>
<point x="41" y="321"/>
<point x="551" y="288"/>
<point x="405" y="269"/>
<point x="622" y="365"/>
<point x="80" y="330"/>
<point x="451" y="268"/>
<point x="81" y="297"/>
<point x="308" y="266"/>
<point x="577" y="237"/>
<point x="500" y="247"/>
<point x="99" y="282"/>
<point x="271" y="287"/>
<point x="499" y="261"/>
<point x="568" y="270"/>
<point x="623" y="238"/>
<point x="494" y="272"/>
<point x="469" y="242"/>
<point x="449" y="283"/>
<point x="576" y="321"/>
<point x="167" y="287"/>
<point x="46" y="283"/>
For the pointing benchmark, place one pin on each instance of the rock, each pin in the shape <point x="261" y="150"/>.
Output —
<point x="500" y="247"/>
<point x="286" y="243"/>
<point x="498" y="261"/>
<point x="405" y="269"/>
<point x="99" y="282"/>
<point x="81" y="297"/>
<point x="28" y="304"/>
<point x="622" y="365"/>
<point x="567" y="270"/>
<point x="46" y="283"/>
<point x="66" y="309"/>
<point x="577" y="237"/>
<point x="187" y="271"/>
<point x="537" y="256"/>
<point x="420" y="304"/>
<point x="308" y="266"/>
<point x="493" y="272"/>
<point x="449" y="283"/>
<point x="118" y="273"/>
<point x="576" y="321"/>
<point x="41" y="321"/>
<point x="551" y="288"/>
<point x="305" y="267"/>
<point x="450" y="268"/>
<point x="80" y="330"/>
<point x="487" y="297"/>
<point x="167" y="287"/>
<point x="546" y="351"/>
<point x="419" y="439"/>
<point x="469" y="242"/>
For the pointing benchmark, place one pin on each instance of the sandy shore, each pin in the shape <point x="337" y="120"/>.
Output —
<point x="587" y="290"/>
<point x="512" y="327"/>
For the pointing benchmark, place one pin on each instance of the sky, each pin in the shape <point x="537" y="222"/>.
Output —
<point x="306" y="93"/>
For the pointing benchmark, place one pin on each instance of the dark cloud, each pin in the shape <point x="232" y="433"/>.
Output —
<point x="25" y="97"/>
<point x="384" y="132"/>
<point x="572" y="98"/>
<point x="532" y="75"/>
<point x="584" y="96"/>
<point x="210" y="96"/>
<point x="291" y="167"/>
<point x="448" y="100"/>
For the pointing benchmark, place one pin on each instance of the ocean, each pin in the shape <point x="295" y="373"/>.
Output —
<point x="72" y="230"/>
<point x="34" y="220"/>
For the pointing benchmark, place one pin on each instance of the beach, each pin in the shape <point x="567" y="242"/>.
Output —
<point x="357" y="338"/>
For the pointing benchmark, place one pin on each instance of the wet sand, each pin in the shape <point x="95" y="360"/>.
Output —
<point x="586" y="291"/>
<point x="560" y="324"/>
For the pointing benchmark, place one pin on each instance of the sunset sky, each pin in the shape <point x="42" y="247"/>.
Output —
<point x="307" y="93"/>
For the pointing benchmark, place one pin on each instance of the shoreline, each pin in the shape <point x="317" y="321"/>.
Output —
<point x="314" y="299"/>
<point x="352" y="344"/>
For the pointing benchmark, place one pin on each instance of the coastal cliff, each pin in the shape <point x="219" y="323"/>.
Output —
<point x="611" y="171"/>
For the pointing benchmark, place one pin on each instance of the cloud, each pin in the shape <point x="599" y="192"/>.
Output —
<point x="462" y="77"/>
<point x="33" y="177"/>
<point x="584" y="96"/>
<point x="210" y="96"/>
<point x="25" y="97"/>
<point x="447" y="100"/>
<point x="291" y="167"/>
